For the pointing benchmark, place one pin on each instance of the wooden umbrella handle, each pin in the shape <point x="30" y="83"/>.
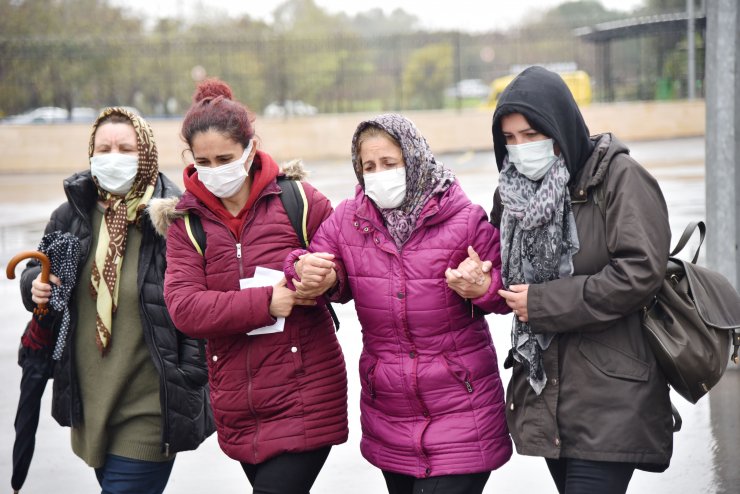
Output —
<point x="41" y="310"/>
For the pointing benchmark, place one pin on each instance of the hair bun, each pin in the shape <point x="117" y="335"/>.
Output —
<point x="211" y="88"/>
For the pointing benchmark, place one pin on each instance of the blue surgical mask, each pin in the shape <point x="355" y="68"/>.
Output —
<point x="532" y="159"/>
<point x="115" y="172"/>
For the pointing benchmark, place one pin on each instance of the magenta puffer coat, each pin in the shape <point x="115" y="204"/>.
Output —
<point x="272" y="393"/>
<point x="432" y="401"/>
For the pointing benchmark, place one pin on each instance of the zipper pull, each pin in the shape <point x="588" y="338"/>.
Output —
<point x="238" y="251"/>
<point x="468" y="386"/>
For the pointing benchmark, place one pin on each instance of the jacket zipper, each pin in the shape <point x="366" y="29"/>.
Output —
<point x="466" y="381"/>
<point x="239" y="260"/>
<point x="371" y="380"/>
<point x="73" y="389"/>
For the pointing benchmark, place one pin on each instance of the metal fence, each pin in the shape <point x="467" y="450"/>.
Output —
<point x="334" y="74"/>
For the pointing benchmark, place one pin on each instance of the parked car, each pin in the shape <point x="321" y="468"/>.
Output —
<point x="468" y="89"/>
<point x="83" y="114"/>
<point x="290" y="108"/>
<point x="54" y="115"/>
<point x="41" y="115"/>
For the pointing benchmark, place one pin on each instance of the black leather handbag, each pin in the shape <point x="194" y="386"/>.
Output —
<point x="692" y="322"/>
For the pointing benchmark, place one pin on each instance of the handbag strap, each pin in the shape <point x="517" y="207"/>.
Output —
<point x="687" y="233"/>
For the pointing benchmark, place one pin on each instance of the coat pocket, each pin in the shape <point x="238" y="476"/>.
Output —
<point x="612" y="361"/>
<point x="192" y="361"/>
<point x="368" y="369"/>
<point x="459" y="372"/>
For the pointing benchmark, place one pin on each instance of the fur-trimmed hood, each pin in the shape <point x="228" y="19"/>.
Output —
<point x="163" y="212"/>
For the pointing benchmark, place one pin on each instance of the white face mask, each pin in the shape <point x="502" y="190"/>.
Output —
<point x="225" y="180"/>
<point x="388" y="188"/>
<point x="115" y="172"/>
<point x="532" y="159"/>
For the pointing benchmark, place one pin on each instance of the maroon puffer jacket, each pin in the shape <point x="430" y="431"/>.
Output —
<point x="272" y="393"/>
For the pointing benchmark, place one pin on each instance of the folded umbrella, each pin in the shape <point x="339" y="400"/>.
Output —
<point x="58" y="253"/>
<point x="34" y="357"/>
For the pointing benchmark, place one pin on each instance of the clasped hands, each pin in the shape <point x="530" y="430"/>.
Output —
<point x="317" y="275"/>
<point x="472" y="279"/>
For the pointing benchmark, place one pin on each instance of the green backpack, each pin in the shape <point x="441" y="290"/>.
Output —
<point x="295" y="203"/>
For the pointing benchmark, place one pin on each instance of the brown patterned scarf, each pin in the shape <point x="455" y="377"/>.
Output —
<point x="425" y="177"/>
<point x="119" y="212"/>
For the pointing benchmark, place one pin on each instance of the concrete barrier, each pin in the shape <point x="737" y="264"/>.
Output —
<point x="63" y="148"/>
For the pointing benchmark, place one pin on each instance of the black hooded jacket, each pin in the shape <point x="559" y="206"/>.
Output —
<point x="606" y="399"/>
<point x="187" y="418"/>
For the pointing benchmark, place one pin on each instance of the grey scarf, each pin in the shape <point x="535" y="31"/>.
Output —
<point x="538" y="241"/>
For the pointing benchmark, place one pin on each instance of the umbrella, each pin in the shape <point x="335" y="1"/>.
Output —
<point x="60" y="252"/>
<point x="36" y="370"/>
<point x="41" y="310"/>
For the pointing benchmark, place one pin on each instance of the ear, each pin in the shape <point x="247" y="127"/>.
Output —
<point x="253" y="152"/>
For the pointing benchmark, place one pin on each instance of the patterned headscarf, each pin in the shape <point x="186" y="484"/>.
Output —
<point x="119" y="213"/>
<point x="425" y="177"/>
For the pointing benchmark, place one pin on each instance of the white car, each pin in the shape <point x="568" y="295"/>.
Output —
<point x="290" y="108"/>
<point x="42" y="115"/>
<point x="468" y="88"/>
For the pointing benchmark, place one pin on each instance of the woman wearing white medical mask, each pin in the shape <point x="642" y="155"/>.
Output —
<point x="585" y="240"/>
<point x="277" y="376"/>
<point x="130" y="405"/>
<point x="432" y="408"/>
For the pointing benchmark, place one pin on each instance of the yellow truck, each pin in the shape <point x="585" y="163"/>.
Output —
<point x="578" y="82"/>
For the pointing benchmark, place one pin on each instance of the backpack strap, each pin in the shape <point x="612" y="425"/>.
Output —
<point x="687" y="233"/>
<point x="196" y="233"/>
<point x="295" y="203"/>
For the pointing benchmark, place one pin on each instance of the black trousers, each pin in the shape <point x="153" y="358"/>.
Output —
<point x="289" y="473"/>
<point x="574" y="476"/>
<point x="472" y="483"/>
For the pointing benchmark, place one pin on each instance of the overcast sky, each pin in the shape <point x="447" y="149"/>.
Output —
<point x="471" y="15"/>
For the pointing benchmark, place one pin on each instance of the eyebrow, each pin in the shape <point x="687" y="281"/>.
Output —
<point x="528" y="129"/>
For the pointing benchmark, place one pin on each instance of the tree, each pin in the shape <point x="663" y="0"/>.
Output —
<point x="54" y="48"/>
<point x="375" y="22"/>
<point x="427" y="73"/>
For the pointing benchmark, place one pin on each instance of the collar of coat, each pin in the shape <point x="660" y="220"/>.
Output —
<point x="606" y="147"/>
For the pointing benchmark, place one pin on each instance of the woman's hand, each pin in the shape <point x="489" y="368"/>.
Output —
<point x="472" y="278"/>
<point x="315" y="290"/>
<point x="41" y="292"/>
<point x="313" y="268"/>
<point x="516" y="298"/>
<point x="284" y="299"/>
<point x="317" y="274"/>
